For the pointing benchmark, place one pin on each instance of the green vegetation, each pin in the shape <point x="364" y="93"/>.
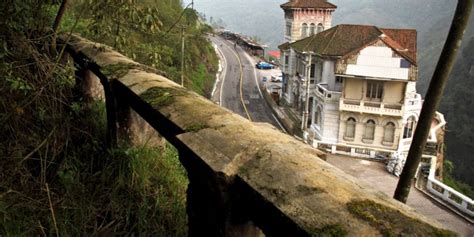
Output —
<point x="390" y="222"/>
<point x="330" y="230"/>
<point x="150" y="33"/>
<point x="459" y="186"/>
<point x="58" y="175"/>
<point x="196" y="127"/>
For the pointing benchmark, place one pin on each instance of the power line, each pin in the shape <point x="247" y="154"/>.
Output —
<point x="180" y="16"/>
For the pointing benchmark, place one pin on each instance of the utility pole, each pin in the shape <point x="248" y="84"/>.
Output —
<point x="433" y="97"/>
<point x="182" y="56"/>
<point x="306" y="104"/>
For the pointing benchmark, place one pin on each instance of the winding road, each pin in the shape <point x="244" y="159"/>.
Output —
<point x="237" y="88"/>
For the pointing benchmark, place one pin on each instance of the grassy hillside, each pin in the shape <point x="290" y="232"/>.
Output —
<point x="150" y="32"/>
<point x="58" y="176"/>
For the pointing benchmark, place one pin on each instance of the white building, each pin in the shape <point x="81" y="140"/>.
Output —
<point x="303" y="18"/>
<point x="362" y="88"/>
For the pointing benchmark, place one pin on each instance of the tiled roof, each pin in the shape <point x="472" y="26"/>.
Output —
<point x="344" y="39"/>
<point x="284" y="46"/>
<point x="307" y="4"/>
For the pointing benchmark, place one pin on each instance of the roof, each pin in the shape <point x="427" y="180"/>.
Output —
<point x="284" y="46"/>
<point x="344" y="39"/>
<point x="308" y="4"/>
<point x="274" y="53"/>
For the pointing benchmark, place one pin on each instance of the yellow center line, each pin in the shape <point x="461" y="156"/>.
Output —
<point x="241" y="85"/>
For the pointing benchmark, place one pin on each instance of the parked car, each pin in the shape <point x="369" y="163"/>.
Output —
<point x="277" y="78"/>
<point x="264" y="79"/>
<point x="264" y="65"/>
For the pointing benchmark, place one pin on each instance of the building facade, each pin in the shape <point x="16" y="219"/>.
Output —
<point x="303" y="18"/>
<point x="355" y="88"/>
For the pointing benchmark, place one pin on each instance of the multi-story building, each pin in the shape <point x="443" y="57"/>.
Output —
<point x="306" y="17"/>
<point x="303" y="18"/>
<point x="355" y="88"/>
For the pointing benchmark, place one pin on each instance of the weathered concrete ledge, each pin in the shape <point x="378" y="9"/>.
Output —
<point x="245" y="174"/>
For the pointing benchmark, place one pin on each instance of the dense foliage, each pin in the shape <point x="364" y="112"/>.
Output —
<point x="57" y="175"/>
<point x="150" y="32"/>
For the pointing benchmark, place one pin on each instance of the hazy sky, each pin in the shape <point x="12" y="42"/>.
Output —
<point x="264" y="18"/>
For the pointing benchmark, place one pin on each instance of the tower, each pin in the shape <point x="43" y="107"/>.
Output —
<point x="306" y="17"/>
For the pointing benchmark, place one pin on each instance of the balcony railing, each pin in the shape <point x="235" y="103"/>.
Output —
<point x="414" y="103"/>
<point x="326" y="94"/>
<point x="446" y="193"/>
<point x="371" y="107"/>
<point x="244" y="178"/>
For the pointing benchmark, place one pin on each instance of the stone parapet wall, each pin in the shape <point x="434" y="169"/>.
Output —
<point x="245" y="178"/>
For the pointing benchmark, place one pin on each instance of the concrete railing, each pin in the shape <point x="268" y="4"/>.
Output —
<point x="448" y="194"/>
<point x="371" y="107"/>
<point x="327" y="95"/>
<point x="245" y="178"/>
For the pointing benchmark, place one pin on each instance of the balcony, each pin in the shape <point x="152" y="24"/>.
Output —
<point x="414" y="104"/>
<point x="326" y="95"/>
<point x="370" y="107"/>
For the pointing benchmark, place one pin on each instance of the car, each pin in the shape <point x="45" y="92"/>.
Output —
<point x="276" y="78"/>
<point x="264" y="79"/>
<point x="264" y="65"/>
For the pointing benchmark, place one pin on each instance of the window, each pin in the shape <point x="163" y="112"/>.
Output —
<point x="310" y="112"/>
<point x="288" y="29"/>
<point x="350" y="128"/>
<point x="404" y="63"/>
<point x="374" y="90"/>
<point x="312" y="28"/>
<point x="409" y="127"/>
<point x="339" y="79"/>
<point x="304" y="30"/>
<point x="311" y="72"/>
<point x="369" y="130"/>
<point x="287" y="62"/>
<point x="320" y="28"/>
<point x="389" y="132"/>
<point x="317" y="117"/>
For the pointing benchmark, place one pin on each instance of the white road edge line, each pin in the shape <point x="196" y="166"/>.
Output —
<point x="223" y="74"/>
<point x="261" y="94"/>
<point x="219" y="70"/>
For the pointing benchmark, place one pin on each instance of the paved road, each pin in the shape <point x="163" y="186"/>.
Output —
<point x="237" y="89"/>
<point x="374" y="175"/>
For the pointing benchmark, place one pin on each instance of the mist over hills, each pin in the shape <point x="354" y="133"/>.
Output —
<point x="431" y="18"/>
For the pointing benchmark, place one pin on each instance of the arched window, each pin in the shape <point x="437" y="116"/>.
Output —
<point x="312" y="29"/>
<point x="409" y="127"/>
<point x="320" y="28"/>
<point x="350" y="128"/>
<point x="389" y="132"/>
<point x="304" y="30"/>
<point x="369" y="130"/>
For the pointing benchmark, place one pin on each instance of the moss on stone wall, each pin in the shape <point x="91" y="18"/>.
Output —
<point x="391" y="222"/>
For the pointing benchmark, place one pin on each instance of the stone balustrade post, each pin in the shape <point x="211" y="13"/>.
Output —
<point x="213" y="203"/>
